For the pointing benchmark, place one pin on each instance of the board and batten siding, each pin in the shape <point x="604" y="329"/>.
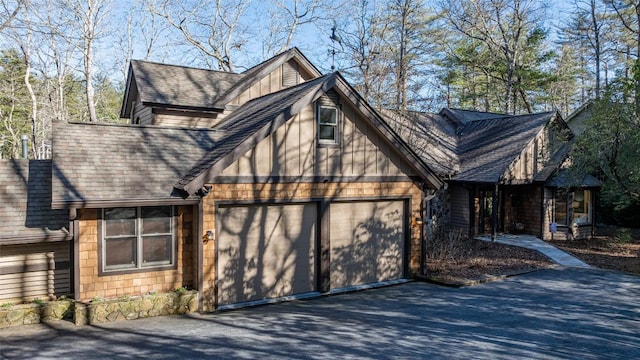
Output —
<point x="460" y="217"/>
<point x="186" y="119"/>
<point x="286" y="75"/>
<point x="25" y="271"/>
<point x="141" y="114"/>
<point x="292" y="150"/>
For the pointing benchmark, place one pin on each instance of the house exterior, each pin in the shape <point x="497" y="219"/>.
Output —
<point x="505" y="173"/>
<point x="35" y="240"/>
<point x="275" y="182"/>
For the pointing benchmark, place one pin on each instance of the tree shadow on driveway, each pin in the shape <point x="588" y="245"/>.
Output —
<point x="558" y="313"/>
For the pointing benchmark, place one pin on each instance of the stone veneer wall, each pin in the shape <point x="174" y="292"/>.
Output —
<point x="133" y="284"/>
<point x="174" y="302"/>
<point x="34" y="313"/>
<point x="125" y="308"/>
<point x="301" y="191"/>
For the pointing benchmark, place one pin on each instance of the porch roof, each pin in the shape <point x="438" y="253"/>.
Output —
<point x="565" y="178"/>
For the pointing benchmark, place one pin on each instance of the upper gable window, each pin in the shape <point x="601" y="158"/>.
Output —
<point x="328" y="121"/>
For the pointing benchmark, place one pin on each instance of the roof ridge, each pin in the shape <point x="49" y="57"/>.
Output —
<point x="138" y="126"/>
<point x="184" y="66"/>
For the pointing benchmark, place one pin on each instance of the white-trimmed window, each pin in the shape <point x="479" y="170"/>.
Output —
<point x="137" y="238"/>
<point x="328" y="124"/>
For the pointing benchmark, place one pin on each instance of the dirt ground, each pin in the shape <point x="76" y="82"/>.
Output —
<point x="608" y="250"/>
<point x="481" y="260"/>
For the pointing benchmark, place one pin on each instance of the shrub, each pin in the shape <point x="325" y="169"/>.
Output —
<point x="623" y="235"/>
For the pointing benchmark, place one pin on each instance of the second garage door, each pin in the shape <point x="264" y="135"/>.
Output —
<point x="367" y="242"/>
<point x="265" y="251"/>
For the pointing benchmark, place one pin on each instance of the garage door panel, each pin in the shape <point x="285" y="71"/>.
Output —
<point x="265" y="251"/>
<point x="367" y="242"/>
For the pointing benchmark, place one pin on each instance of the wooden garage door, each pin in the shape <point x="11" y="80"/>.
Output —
<point x="265" y="251"/>
<point x="367" y="242"/>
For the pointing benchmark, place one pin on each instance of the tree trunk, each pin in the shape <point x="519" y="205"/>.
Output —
<point x="88" y="59"/>
<point x="26" y="51"/>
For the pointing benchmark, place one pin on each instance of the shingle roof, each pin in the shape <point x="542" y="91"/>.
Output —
<point x="180" y="86"/>
<point x="433" y="138"/>
<point x="564" y="178"/>
<point x="202" y="89"/>
<point x="251" y="123"/>
<point x="25" y="203"/>
<point x="464" y="117"/>
<point x="488" y="147"/>
<point x="472" y="146"/>
<point x="102" y="163"/>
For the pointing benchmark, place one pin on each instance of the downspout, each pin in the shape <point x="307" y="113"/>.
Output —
<point x="200" y="255"/>
<point x="75" y="258"/>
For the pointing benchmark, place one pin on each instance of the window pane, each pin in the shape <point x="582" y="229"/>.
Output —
<point x="327" y="132"/>
<point x="561" y="207"/>
<point x="156" y="220"/>
<point x="328" y="116"/>
<point x="581" y="207"/>
<point x="120" y="252"/>
<point x="120" y="221"/>
<point x="157" y="249"/>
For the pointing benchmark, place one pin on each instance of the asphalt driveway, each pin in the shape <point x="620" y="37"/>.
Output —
<point x="558" y="313"/>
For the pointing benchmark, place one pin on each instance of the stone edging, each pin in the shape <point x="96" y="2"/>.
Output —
<point x="96" y="312"/>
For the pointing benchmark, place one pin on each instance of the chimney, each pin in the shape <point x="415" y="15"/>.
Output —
<point x="25" y="149"/>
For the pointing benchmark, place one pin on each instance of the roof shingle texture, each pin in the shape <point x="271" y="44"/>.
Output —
<point x="97" y="162"/>
<point x="433" y="139"/>
<point x="181" y="86"/>
<point x="25" y="201"/>
<point x="488" y="147"/>
<point x="473" y="146"/>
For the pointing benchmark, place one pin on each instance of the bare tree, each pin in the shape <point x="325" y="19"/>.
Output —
<point x="589" y="27"/>
<point x="289" y="16"/>
<point x="363" y="41"/>
<point x="213" y="28"/>
<point x="505" y="27"/>
<point x="90" y="16"/>
<point x="8" y="11"/>
<point x="408" y="31"/>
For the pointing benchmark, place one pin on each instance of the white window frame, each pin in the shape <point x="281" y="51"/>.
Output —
<point x="320" y="123"/>
<point x="139" y="263"/>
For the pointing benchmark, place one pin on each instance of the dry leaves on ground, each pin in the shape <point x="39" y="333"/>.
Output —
<point x="484" y="260"/>
<point x="607" y="251"/>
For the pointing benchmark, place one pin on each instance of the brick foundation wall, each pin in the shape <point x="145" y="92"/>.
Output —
<point x="134" y="284"/>
<point x="301" y="192"/>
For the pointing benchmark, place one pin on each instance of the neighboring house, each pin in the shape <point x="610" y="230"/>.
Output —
<point x="504" y="173"/>
<point x="274" y="182"/>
